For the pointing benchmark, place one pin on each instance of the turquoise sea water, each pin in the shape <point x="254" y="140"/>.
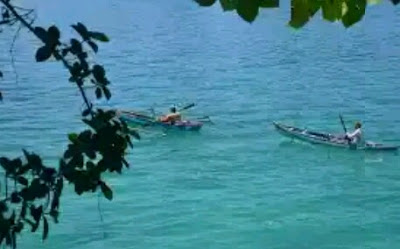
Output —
<point x="235" y="184"/>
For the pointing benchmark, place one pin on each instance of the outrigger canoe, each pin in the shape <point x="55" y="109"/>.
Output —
<point x="323" y="138"/>
<point x="138" y="119"/>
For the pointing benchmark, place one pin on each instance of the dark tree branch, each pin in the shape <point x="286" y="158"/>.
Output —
<point x="79" y="81"/>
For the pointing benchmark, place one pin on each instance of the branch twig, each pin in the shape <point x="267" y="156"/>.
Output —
<point x="79" y="82"/>
<point x="12" y="55"/>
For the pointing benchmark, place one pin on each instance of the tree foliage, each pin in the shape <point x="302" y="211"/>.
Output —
<point x="32" y="191"/>
<point x="348" y="12"/>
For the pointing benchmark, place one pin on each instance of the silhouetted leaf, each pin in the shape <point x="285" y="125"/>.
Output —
<point x="23" y="210"/>
<point x="34" y="161"/>
<point x="41" y="33"/>
<point x="53" y="32"/>
<point x="3" y="207"/>
<point x="313" y="7"/>
<point x="395" y="2"/>
<point x="98" y="93"/>
<point x="99" y="36"/>
<point x="270" y="3"/>
<point x="75" y="71"/>
<point x="5" y="163"/>
<point x="90" y="123"/>
<point x="16" y="164"/>
<point x="39" y="190"/>
<point x="5" y="15"/>
<point x="73" y="137"/>
<point x="22" y="180"/>
<point x="134" y="133"/>
<point x="62" y="164"/>
<point x="8" y="239"/>
<point x="85" y="136"/>
<point x="15" y="198"/>
<point x="106" y="190"/>
<point x="19" y="227"/>
<point x="10" y="166"/>
<point x="355" y="12"/>
<point x="90" y="165"/>
<point x="1" y="74"/>
<point x="117" y="166"/>
<point x="77" y="160"/>
<point x="332" y="10"/>
<point x="36" y="212"/>
<point x="34" y="226"/>
<point x="53" y="35"/>
<point x="82" y="56"/>
<point x="205" y="2"/>
<point x="26" y="154"/>
<point x="56" y="55"/>
<point x="228" y="5"/>
<point x="54" y="214"/>
<point x="1" y="96"/>
<point x="301" y="11"/>
<point x="79" y="188"/>
<point x="96" y="171"/>
<point x="82" y="30"/>
<point x="125" y="162"/>
<point x="13" y="240"/>
<point x="43" y="53"/>
<point x="76" y="46"/>
<point x="64" y="51"/>
<point x="93" y="46"/>
<point x="299" y="15"/>
<point x="48" y="174"/>
<point x="98" y="72"/>
<point x="107" y="93"/>
<point x="91" y="154"/>
<point x="86" y="112"/>
<point x="2" y="236"/>
<point x="45" y="228"/>
<point x="26" y="194"/>
<point x="128" y="139"/>
<point x="59" y="185"/>
<point x="55" y="202"/>
<point x="23" y="170"/>
<point x="248" y="9"/>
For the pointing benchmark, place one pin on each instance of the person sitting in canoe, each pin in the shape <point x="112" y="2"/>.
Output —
<point x="356" y="136"/>
<point x="172" y="117"/>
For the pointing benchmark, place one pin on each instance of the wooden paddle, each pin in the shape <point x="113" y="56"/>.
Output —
<point x="187" y="107"/>
<point x="345" y="130"/>
<point x="343" y="125"/>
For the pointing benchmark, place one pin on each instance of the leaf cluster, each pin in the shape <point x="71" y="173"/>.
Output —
<point x="97" y="150"/>
<point x="348" y="12"/>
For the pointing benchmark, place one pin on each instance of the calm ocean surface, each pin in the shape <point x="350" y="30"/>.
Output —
<point x="235" y="184"/>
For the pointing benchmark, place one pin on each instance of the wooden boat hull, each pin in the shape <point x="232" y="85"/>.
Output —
<point x="322" y="138"/>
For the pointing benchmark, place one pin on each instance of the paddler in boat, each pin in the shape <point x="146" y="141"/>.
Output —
<point x="172" y="117"/>
<point x="356" y="136"/>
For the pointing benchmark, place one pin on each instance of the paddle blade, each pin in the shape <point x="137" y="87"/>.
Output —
<point x="343" y="125"/>
<point x="188" y="106"/>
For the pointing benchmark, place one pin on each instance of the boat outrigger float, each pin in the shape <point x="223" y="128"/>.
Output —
<point x="324" y="138"/>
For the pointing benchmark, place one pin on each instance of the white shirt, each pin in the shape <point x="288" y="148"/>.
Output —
<point x="356" y="136"/>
